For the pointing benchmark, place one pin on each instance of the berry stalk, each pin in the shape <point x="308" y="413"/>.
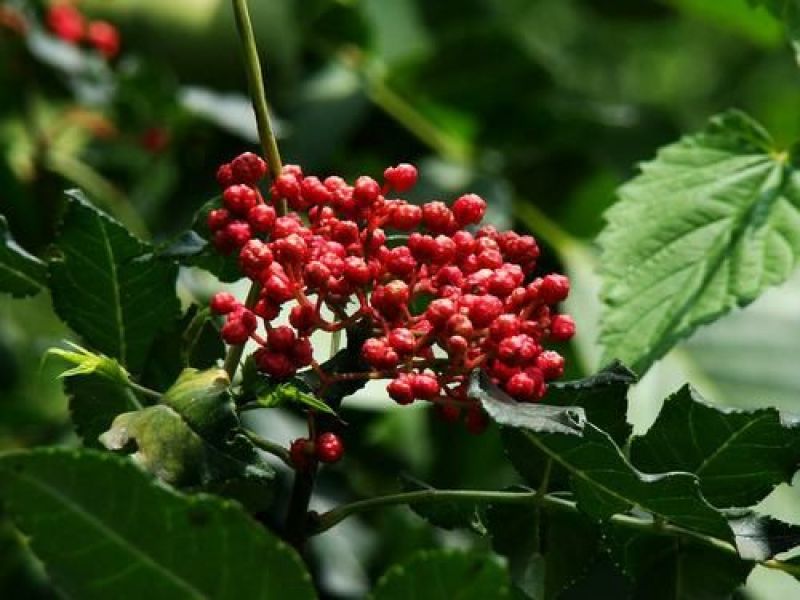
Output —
<point x="266" y="134"/>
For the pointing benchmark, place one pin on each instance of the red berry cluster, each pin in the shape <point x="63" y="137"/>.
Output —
<point x="68" y="23"/>
<point x="326" y="448"/>
<point x="359" y="245"/>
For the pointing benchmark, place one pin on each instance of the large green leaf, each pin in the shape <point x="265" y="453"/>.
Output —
<point x="444" y="575"/>
<point x="105" y="529"/>
<point x="738" y="456"/>
<point x="605" y="483"/>
<point x="108" y="286"/>
<point x="709" y="224"/>
<point x="21" y="273"/>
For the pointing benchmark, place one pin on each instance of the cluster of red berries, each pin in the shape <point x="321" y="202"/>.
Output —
<point x="68" y="23"/>
<point x="441" y="301"/>
<point x="326" y="448"/>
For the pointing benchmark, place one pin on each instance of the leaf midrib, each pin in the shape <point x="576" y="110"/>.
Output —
<point x="21" y="275"/>
<point x="123" y="350"/>
<point x="712" y="266"/>
<point x="110" y="533"/>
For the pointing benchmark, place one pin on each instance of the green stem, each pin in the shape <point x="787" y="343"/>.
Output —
<point x="255" y="82"/>
<point x="548" y="502"/>
<point x="266" y="134"/>
<point x="268" y="446"/>
<point x="144" y="391"/>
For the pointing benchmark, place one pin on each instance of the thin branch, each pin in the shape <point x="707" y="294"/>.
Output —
<point x="268" y="446"/>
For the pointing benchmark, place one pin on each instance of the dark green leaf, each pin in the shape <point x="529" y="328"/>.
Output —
<point x="133" y="538"/>
<point x="711" y="223"/>
<point x="21" y="273"/>
<point x="738" y="456"/>
<point x="603" y="396"/>
<point x="605" y="483"/>
<point x="504" y="410"/>
<point x="665" y="568"/>
<point x="444" y="575"/>
<point x="94" y="403"/>
<point x="21" y="575"/>
<point x="108" y="286"/>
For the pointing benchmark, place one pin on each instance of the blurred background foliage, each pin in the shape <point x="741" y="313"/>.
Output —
<point x="542" y="106"/>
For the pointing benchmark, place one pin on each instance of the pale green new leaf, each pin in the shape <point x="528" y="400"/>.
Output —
<point x="707" y="226"/>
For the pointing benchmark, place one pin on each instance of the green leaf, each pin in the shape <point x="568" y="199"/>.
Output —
<point x="738" y="456"/>
<point x="603" y="397"/>
<point x="88" y="363"/>
<point x="133" y="538"/>
<point x="108" y="286"/>
<point x="605" y="483"/>
<point x="21" y="273"/>
<point x="444" y="575"/>
<point x="664" y="568"/>
<point x="711" y="223"/>
<point x="504" y="410"/>
<point x="200" y="398"/>
<point x="94" y="403"/>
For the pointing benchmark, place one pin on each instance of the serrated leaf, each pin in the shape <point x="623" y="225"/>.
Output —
<point x="738" y="456"/>
<point x="760" y="537"/>
<point x="107" y="286"/>
<point x="605" y="483"/>
<point x="444" y="575"/>
<point x="94" y="403"/>
<point x="603" y="397"/>
<point x="665" y="568"/>
<point x="504" y="410"/>
<point x="21" y="273"/>
<point x="709" y="224"/>
<point x="133" y="538"/>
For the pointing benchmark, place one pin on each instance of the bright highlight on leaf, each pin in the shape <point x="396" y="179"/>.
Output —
<point x="708" y="225"/>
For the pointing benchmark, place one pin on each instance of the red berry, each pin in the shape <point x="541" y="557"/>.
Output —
<point x="287" y="186"/>
<point x="366" y="190"/>
<point x="281" y="339"/>
<point x="314" y="191"/>
<point x="554" y="288"/>
<point x="437" y="217"/>
<point x="238" y="232"/>
<point x="254" y="257"/>
<point x="551" y="364"/>
<point x="521" y="386"/>
<point x="402" y="340"/>
<point x="274" y="364"/>
<point x="222" y="303"/>
<point x="239" y="199"/>
<point x="303" y="317"/>
<point x="449" y="413"/>
<point x="225" y="176"/>
<point x="302" y="353"/>
<point x="278" y="289"/>
<point x="400" y="390"/>
<point x="405" y="217"/>
<point x="400" y="262"/>
<point x="356" y="271"/>
<point x="248" y="168"/>
<point x="261" y="218"/>
<point x="484" y="310"/>
<point x="104" y="37"/>
<point x="217" y="219"/>
<point x="238" y="327"/>
<point x="424" y="386"/>
<point x="562" y="328"/>
<point x="439" y="311"/>
<point x="402" y="177"/>
<point x="301" y="453"/>
<point x="329" y="447"/>
<point x="469" y="209"/>
<point x="66" y="22"/>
